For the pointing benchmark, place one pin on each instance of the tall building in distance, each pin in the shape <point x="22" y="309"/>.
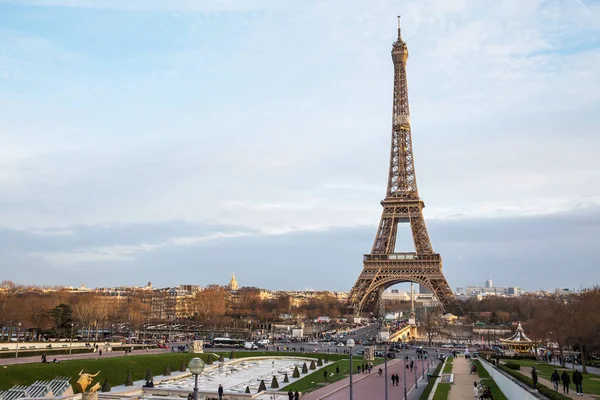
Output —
<point x="233" y="285"/>
<point x="488" y="290"/>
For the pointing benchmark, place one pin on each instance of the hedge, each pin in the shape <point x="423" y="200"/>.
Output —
<point x="544" y="390"/>
<point x="514" y="366"/>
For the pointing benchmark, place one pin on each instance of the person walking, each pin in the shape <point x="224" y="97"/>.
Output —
<point x="296" y="395"/>
<point x="534" y="377"/>
<point x="555" y="379"/>
<point x="475" y="389"/>
<point x="578" y="381"/>
<point x="393" y="379"/>
<point x="566" y="381"/>
<point x="337" y="370"/>
<point x="290" y="395"/>
<point x="325" y="374"/>
<point x="220" y="391"/>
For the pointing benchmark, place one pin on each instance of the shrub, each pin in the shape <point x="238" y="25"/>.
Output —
<point x="304" y="369"/>
<point x="129" y="380"/>
<point x="262" y="387"/>
<point x="247" y="389"/>
<point x="319" y="362"/>
<point x="296" y="373"/>
<point x="326" y="360"/>
<point x="232" y="355"/>
<point x="549" y="393"/>
<point x="167" y="371"/>
<point x="514" y="366"/>
<point x="285" y="378"/>
<point x="182" y="366"/>
<point x="149" y="375"/>
<point x="221" y="358"/>
<point x="312" y="365"/>
<point x="274" y="383"/>
<point x="106" y="386"/>
<point x="209" y="360"/>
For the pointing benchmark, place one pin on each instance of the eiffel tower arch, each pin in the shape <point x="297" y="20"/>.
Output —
<point x="383" y="266"/>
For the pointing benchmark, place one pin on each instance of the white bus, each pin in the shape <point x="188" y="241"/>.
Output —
<point x="228" y="342"/>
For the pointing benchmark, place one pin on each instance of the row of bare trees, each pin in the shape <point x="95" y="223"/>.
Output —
<point x="554" y="320"/>
<point x="53" y="313"/>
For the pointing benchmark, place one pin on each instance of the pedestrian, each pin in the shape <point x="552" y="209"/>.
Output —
<point x="220" y="392"/>
<point x="99" y="353"/>
<point x="578" y="381"/>
<point x="475" y="389"/>
<point x="412" y="364"/>
<point x="566" y="381"/>
<point x="296" y="395"/>
<point x="534" y="377"/>
<point x="337" y="370"/>
<point x="325" y="374"/>
<point x="397" y="379"/>
<point x="555" y="379"/>
<point x="290" y="395"/>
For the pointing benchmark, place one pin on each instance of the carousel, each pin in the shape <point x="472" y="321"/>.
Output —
<point x="519" y="342"/>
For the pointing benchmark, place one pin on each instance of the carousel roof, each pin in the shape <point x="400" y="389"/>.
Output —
<point x="519" y="336"/>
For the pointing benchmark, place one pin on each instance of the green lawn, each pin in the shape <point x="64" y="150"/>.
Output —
<point x="483" y="374"/>
<point x="448" y="366"/>
<point x="317" y="379"/>
<point x="442" y="390"/>
<point x="591" y="382"/>
<point x="117" y="368"/>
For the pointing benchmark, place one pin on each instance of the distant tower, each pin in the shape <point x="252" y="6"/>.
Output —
<point x="489" y="284"/>
<point x="233" y="285"/>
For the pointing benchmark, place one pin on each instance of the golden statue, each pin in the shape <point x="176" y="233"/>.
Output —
<point x="85" y="380"/>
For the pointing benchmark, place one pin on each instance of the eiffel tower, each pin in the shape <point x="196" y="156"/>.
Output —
<point x="385" y="267"/>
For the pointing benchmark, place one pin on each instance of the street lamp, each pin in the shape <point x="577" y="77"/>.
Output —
<point x="405" y="357"/>
<point x="416" y="380"/>
<point x="350" y="344"/>
<point x="196" y="366"/>
<point x="71" y="344"/>
<point x="386" y="374"/>
<point x="18" y="334"/>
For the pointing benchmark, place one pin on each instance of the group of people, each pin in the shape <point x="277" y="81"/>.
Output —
<point x="395" y="379"/>
<point x="293" y="396"/>
<point x="486" y="393"/>
<point x="556" y="378"/>
<point x="364" y="368"/>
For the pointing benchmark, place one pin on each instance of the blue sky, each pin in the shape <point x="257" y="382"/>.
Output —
<point x="148" y="136"/>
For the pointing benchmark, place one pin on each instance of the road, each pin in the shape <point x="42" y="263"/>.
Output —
<point x="372" y="386"/>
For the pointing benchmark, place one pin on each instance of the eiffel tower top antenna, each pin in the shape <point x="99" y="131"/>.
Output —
<point x="399" y="30"/>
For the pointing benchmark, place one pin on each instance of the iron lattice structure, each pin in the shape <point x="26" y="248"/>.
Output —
<point x="384" y="267"/>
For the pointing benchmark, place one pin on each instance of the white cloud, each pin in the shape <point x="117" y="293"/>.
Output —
<point x="287" y="127"/>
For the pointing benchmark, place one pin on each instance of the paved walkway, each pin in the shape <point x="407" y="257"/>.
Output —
<point x="372" y="386"/>
<point x="462" y="388"/>
<point x="63" y="357"/>
<point x="572" y="394"/>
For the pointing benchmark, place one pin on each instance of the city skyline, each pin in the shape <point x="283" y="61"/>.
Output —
<point x="136" y="147"/>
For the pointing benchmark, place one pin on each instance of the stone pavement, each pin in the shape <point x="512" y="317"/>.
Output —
<point x="372" y="386"/>
<point x="463" y="381"/>
<point x="572" y="394"/>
